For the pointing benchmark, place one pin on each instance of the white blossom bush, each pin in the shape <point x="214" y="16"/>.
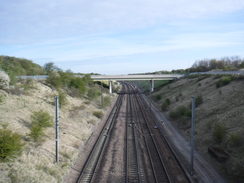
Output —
<point x="4" y="80"/>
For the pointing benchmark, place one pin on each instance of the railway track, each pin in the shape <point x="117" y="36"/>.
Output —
<point x="147" y="156"/>
<point x="89" y="168"/>
<point x="132" y="167"/>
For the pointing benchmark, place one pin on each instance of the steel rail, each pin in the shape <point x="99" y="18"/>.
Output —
<point x="90" y="165"/>
<point x="169" y="146"/>
<point x="132" y="162"/>
<point x="147" y="148"/>
<point x="135" y="119"/>
<point x="152" y="145"/>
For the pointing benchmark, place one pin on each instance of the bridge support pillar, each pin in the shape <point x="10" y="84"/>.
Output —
<point x="110" y="87"/>
<point x="151" y="90"/>
<point x="151" y="85"/>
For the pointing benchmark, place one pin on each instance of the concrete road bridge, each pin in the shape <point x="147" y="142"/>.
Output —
<point x="150" y="77"/>
<point x="136" y="77"/>
<point x="111" y="78"/>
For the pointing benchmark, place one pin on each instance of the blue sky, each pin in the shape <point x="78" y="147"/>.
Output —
<point x="121" y="36"/>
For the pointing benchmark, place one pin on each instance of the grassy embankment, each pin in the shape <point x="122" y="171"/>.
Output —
<point x="219" y="116"/>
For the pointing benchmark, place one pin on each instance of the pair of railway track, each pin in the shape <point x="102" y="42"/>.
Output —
<point x="147" y="157"/>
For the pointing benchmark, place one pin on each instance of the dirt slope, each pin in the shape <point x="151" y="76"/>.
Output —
<point x="223" y="105"/>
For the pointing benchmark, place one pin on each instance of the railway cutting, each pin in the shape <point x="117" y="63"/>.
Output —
<point x="130" y="147"/>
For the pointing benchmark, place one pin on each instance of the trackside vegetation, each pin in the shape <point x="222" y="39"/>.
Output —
<point x="39" y="121"/>
<point x="11" y="144"/>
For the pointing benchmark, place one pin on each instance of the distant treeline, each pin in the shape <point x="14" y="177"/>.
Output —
<point x="225" y="64"/>
<point x="22" y="67"/>
<point x="18" y="66"/>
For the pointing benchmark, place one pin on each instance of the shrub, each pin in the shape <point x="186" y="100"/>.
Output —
<point x="180" y="111"/>
<point x="40" y="120"/>
<point x="87" y="79"/>
<point x="28" y="84"/>
<point x="219" y="132"/>
<point x="223" y="81"/>
<point x="79" y="84"/>
<point x="62" y="98"/>
<point x="98" y="114"/>
<point x="66" y="77"/>
<point x="10" y="144"/>
<point x="198" y="101"/>
<point x="235" y="139"/>
<point x="106" y="101"/>
<point x="158" y="97"/>
<point x="93" y="122"/>
<point x="188" y="113"/>
<point x="54" y="80"/>
<point x="36" y="132"/>
<point x="165" y="104"/>
<point x="82" y="107"/>
<point x="92" y="93"/>
<point x="116" y="89"/>
<point x="87" y="102"/>
<point x="1" y="98"/>
<point x="168" y="100"/>
<point x="74" y="92"/>
<point x="174" y="114"/>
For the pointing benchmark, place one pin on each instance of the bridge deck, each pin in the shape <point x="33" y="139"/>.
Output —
<point x="136" y="77"/>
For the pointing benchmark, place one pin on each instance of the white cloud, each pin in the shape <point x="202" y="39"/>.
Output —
<point x="33" y="20"/>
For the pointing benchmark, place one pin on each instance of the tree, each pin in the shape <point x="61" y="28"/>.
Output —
<point x="49" y="67"/>
<point x="79" y="84"/>
<point x="54" y="80"/>
<point x="87" y="79"/>
<point x="66" y="77"/>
